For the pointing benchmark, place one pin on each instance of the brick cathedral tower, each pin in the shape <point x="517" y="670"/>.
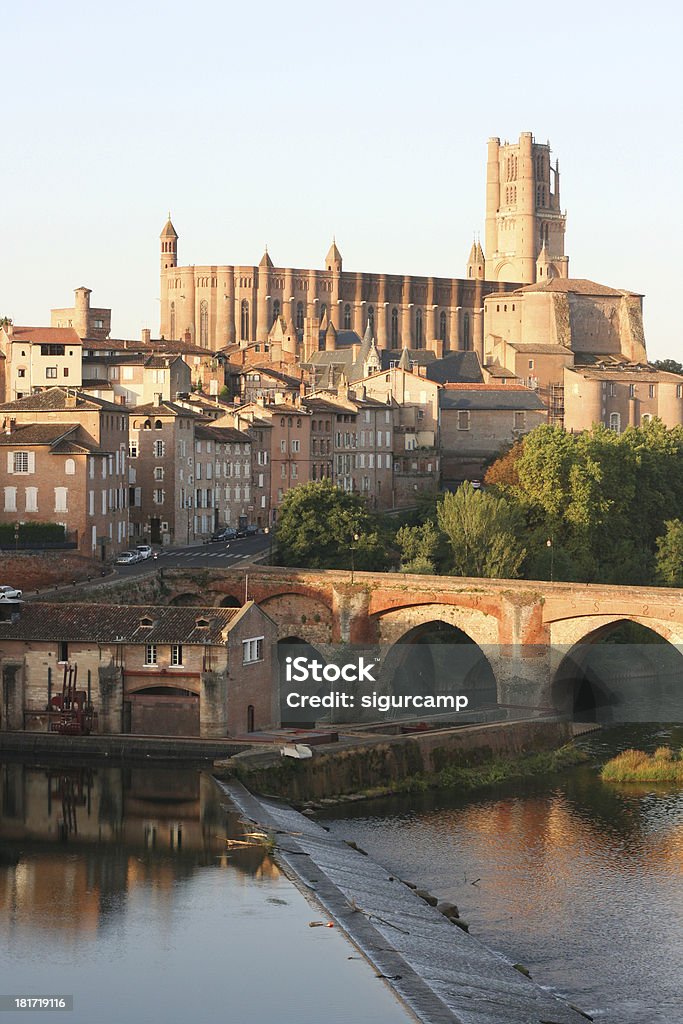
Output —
<point x="523" y="215"/>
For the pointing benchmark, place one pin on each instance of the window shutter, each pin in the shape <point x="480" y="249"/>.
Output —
<point x="138" y="497"/>
<point x="31" y="462"/>
<point x="10" y="462"/>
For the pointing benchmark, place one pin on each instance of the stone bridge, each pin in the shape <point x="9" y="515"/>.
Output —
<point x="530" y="632"/>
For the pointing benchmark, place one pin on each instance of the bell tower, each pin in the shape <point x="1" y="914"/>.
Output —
<point x="169" y="245"/>
<point x="523" y="214"/>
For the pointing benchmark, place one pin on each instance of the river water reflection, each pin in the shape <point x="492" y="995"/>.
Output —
<point x="580" y="881"/>
<point x="117" y="886"/>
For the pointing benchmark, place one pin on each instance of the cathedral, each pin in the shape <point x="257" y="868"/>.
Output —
<point x="217" y="307"/>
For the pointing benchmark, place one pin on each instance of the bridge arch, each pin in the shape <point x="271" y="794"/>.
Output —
<point x="618" y="669"/>
<point x="480" y="626"/>
<point x="435" y="657"/>
<point x="294" y="646"/>
<point x="187" y="599"/>
<point x="307" y="616"/>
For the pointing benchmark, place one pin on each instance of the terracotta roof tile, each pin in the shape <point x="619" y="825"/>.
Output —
<point x="106" y="623"/>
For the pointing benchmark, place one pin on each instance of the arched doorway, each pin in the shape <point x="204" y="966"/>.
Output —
<point x="162" y="711"/>
<point x="620" y="672"/>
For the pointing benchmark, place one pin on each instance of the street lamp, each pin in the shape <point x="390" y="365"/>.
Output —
<point x="549" y="544"/>
<point x="356" y="538"/>
<point x="269" y="533"/>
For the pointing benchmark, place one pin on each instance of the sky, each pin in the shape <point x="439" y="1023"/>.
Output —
<point x="285" y="124"/>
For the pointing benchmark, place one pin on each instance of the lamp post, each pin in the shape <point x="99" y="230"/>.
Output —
<point x="269" y="533"/>
<point x="549" y="543"/>
<point x="356" y="538"/>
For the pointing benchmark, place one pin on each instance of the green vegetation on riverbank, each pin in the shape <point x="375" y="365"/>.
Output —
<point x="489" y="773"/>
<point x="636" y="766"/>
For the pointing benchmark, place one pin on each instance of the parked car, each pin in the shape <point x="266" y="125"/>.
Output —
<point x="10" y="594"/>
<point x="144" y="551"/>
<point x="252" y="530"/>
<point x="225" y="533"/>
<point x="128" y="558"/>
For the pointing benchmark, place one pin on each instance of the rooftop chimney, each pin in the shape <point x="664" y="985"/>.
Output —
<point x="146" y="335"/>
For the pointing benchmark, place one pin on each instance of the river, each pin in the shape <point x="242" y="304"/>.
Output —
<point x="117" y="887"/>
<point x="580" y="881"/>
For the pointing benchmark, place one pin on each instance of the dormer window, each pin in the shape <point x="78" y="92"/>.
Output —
<point x="146" y="622"/>
<point x="201" y="622"/>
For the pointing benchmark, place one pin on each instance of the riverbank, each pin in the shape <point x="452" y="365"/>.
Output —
<point x="362" y="765"/>
<point x="114" y="748"/>
<point x="442" y="974"/>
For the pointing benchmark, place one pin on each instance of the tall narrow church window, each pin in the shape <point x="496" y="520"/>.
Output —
<point x="466" y="332"/>
<point x="371" y="318"/>
<point x="204" y="323"/>
<point x="442" y="327"/>
<point x="299" y="316"/>
<point x="323" y="311"/>
<point x="244" y="320"/>
<point x="172" y="321"/>
<point x="394" y="328"/>
<point x="347" y="317"/>
<point x="418" y="329"/>
<point x="276" y="310"/>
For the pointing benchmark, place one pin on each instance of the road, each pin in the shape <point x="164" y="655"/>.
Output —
<point x="220" y="555"/>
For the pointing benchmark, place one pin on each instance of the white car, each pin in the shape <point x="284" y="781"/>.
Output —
<point x="144" y="551"/>
<point x="10" y="594"/>
<point x="128" y="558"/>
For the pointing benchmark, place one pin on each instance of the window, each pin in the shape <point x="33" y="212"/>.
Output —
<point x="418" y="329"/>
<point x="172" y="324"/>
<point x="158" y="496"/>
<point x="466" y="331"/>
<point x="463" y="419"/>
<point x="150" y="654"/>
<point x="61" y="499"/>
<point x="21" y="372"/>
<point x="70" y="467"/>
<point x="176" y="654"/>
<point x="612" y="390"/>
<point x="10" y="499"/>
<point x="21" y="462"/>
<point x="651" y="390"/>
<point x="519" y="421"/>
<point x="615" y="421"/>
<point x="531" y="364"/>
<point x="299" y="316"/>
<point x="347" y="317"/>
<point x="394" y="328"/>
<point x="679" y="391"/>
<point x="252" y="650"/>
<point x="132" y="450"/>
<point x="443" y="332"/>
<point x="646" y="418"/>
<point x="632" y="391"/>
<point x="244" y="320"/>
<point x="158" y="472"/>
<point x="204" y="323"/>
<point x="296" y="446"/>
<point x="159" y="449"/>
<point x="51" y="372"/>
<point x="276" y="310"/>
<point x="32" y="499"/>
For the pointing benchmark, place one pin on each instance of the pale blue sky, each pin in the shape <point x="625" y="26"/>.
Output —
<point x="286" y="123"/>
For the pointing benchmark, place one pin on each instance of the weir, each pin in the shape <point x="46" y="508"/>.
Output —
<point x="442" y="974"/>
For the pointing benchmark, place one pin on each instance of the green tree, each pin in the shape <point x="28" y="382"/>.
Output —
<point x="670" y="554"/>
<point x="317" y="529"/>
<point x="483" y="531"/>
<point x="669" y="365"/>
<point x="419" y="546"/>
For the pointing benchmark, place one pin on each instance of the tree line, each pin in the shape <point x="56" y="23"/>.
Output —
<point x="594" y="507"/>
